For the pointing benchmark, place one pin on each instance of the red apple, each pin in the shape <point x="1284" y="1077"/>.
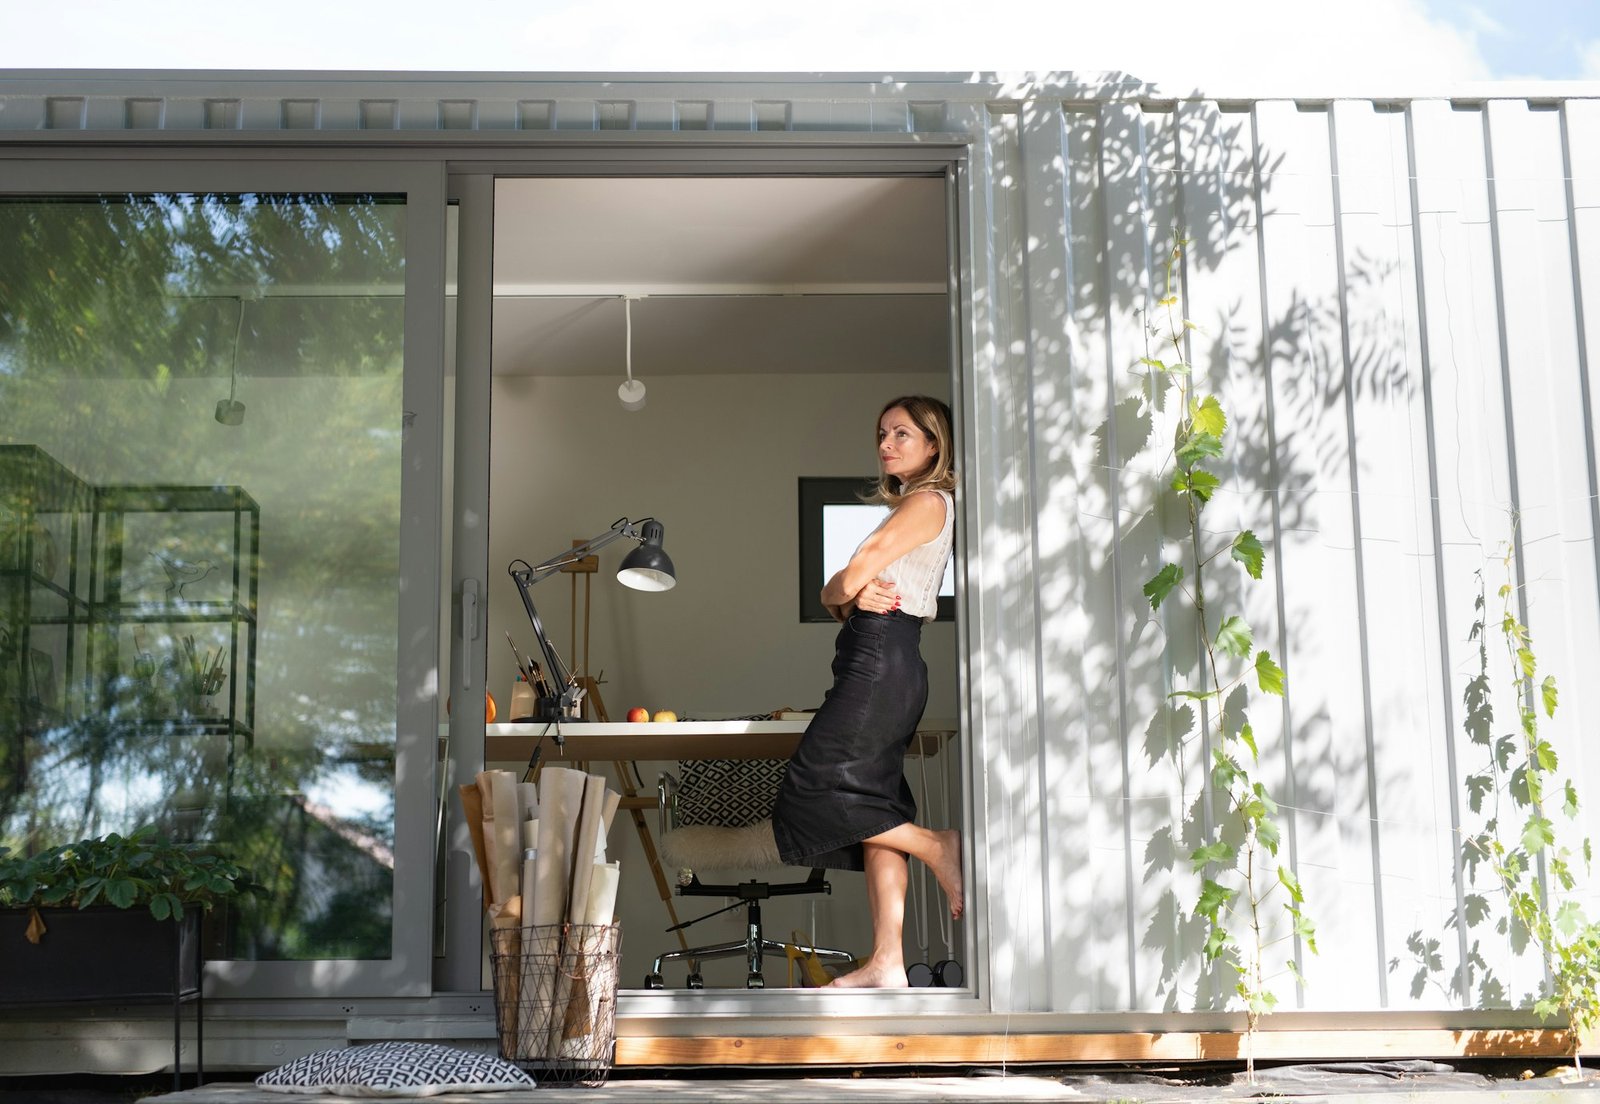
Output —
<point x="636" y="714"/>
<point x="665" y="715"/>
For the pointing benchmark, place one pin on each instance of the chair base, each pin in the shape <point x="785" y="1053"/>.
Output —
<point x="754" y="947"/>
<point x="746" y="948"/>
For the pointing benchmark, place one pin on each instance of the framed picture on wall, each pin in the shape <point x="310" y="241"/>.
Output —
<point x="833" y="521"/>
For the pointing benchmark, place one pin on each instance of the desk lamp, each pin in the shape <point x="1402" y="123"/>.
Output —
<point x="645" y="568"/>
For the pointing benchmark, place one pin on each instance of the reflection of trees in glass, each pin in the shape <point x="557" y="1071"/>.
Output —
<point x="118" y="324"/>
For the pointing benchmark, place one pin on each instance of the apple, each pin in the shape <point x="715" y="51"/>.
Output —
<point x="636" y="714"/>
<point x="665" y="715"/>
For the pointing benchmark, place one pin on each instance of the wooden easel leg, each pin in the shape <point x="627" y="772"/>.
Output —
<point x="647" y="843"/>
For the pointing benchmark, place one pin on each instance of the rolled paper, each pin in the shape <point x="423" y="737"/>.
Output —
<point x="530" y="879"/>
<point x="530" y="834"/>
<point x="528" y="798"/>
<point x="472" y="808"/>
<point x="571" y="987"/>
<point x="602" y="893"/>
<point x="608" y="812"/>
<point x="505" y="919"/>
<point x="583" y="847"/>
<point x="506" y="852"/>
<point x="560" y="802"/>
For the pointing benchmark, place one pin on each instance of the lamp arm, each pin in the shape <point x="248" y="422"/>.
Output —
<point x="559" y="675"/>
<point x="621" y="528"/>
<point x="561" y="678"/>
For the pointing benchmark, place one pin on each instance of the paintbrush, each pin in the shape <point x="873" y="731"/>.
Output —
<point x="522" y="667"/>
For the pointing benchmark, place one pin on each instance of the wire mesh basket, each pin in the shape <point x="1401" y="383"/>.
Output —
<point x="555" y="999"/>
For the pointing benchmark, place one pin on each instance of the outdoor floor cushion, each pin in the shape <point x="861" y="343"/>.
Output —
<point x="395" y="1069"/>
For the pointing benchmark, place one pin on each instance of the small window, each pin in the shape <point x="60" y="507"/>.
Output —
<point x="833" y="521"/>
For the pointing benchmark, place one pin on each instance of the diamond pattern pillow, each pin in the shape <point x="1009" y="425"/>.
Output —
<point x="395" y="1069"/>
<point x="729" y="793"/>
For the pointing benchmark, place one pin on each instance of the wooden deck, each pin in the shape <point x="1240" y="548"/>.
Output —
<point x="1089" y="1047"/>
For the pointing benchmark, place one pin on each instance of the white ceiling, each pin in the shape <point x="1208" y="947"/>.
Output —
<point x="770" y="274"/>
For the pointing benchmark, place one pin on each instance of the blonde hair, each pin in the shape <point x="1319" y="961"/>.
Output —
<point x="932" y="416"/>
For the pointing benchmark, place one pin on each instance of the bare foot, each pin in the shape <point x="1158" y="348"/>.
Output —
<point x="871" y="976"/>
<point x="946" y="868"/>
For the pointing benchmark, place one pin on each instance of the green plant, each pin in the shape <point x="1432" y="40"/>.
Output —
<point x="122" y="871"/>
<point x="1244" y="839"/>
<point x="1519" y="784"/>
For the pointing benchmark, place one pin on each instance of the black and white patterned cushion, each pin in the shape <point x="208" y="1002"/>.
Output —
<point x="395" y="1069"/>
<point x="729" y="793"/>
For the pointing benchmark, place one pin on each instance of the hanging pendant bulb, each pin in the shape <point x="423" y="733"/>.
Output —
<point x="230" y="412"/>
<point x="631" y="392"/>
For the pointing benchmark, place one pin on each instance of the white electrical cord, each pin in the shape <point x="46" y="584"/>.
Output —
<point x="631" y="393"/>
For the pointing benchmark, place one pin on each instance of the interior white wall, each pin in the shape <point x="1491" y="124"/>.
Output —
<point x="322" y="492"/>
<point x="716" y="459"/>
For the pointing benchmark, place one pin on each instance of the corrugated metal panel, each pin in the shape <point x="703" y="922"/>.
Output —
<point x="1397" y="303"/>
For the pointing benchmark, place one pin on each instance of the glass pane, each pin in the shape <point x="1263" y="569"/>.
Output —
<point x="199" y="526"/>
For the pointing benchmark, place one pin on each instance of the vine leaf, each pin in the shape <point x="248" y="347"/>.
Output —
<point x="1537" y="834"/>
<point x="1219" y="852"/>
<point x="1213" y="896"/>
<point x="1198" y="446"/>
<point x="1248" y="551"/>
<point x="1547" y="692"/>
<point x="1268" y="674"/>
<point x="1196" y="481"/>
<point x="1161" y="585"/>
<point x="1568" y="918"/>
<point x="1248" y="735"/>
<point x="1234" y="638"/>
<point x="1209" y="419"/>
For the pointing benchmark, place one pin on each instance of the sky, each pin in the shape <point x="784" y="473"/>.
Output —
<point x="1405" y="46"/>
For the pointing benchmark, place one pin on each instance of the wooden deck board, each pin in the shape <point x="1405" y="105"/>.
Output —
<point x="1070" y="1048"/>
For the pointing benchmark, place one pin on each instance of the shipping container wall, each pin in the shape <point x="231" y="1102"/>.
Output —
<point x="1391" y="301"/>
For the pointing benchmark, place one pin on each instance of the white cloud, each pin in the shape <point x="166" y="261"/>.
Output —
<point x="1246" y="46"/>
<point x="1589" y="55"/>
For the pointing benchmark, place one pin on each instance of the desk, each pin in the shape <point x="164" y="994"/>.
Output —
<point x="618" y="743"/>
<point x="651" y="740"/>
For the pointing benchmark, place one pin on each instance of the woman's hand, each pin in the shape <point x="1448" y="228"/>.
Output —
<point x="878" y="596"/>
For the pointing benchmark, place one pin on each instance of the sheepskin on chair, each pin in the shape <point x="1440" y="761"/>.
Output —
<point x="710" y="847"/>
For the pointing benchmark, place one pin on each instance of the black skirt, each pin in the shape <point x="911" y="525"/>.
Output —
<point x="847" y="780"/>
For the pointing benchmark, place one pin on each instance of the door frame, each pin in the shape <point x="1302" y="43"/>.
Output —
<point x="471" y="187"/>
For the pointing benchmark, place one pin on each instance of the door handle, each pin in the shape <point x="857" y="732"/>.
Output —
<point x="469" y="628"/>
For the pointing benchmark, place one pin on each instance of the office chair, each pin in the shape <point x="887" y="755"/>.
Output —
<point x="717" y="814"/>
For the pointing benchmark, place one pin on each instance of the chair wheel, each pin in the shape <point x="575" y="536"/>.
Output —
<point x="654" y="981"/>
<point x="695" y="981"/>
<point x="948" y="973"/>
<point x="755" y="981"/>
<point x="919" y="975"/>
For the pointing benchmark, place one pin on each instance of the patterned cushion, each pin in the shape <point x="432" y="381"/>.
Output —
<point x="728" y="792"/>
<point x="395" y="1069"/>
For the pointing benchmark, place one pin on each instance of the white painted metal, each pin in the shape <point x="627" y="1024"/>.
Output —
<point x="1397" y="306"/>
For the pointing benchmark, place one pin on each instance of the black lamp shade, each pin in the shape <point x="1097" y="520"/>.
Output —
<point x="648" y="567"/>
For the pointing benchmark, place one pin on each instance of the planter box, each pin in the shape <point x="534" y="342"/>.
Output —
<point x="99" y="954"/>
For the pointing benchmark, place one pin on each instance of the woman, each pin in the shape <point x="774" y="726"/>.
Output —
<point x="844" y="803"/>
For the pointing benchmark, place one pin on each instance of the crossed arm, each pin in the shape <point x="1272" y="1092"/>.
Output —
<point x="916" y="521"/>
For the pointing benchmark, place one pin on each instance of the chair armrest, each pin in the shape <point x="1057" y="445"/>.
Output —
<point x="667" y="801"/>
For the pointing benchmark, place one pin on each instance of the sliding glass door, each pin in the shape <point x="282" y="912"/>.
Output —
<point x="222" y="395"/>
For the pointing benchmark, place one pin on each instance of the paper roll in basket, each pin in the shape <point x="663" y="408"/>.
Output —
<point x="562" y="1026"/>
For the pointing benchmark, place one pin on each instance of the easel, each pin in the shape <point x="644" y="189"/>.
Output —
<point x="631" y="798"/>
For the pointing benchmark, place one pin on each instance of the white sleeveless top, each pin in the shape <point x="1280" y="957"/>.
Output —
<point x="919" y="572"/>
